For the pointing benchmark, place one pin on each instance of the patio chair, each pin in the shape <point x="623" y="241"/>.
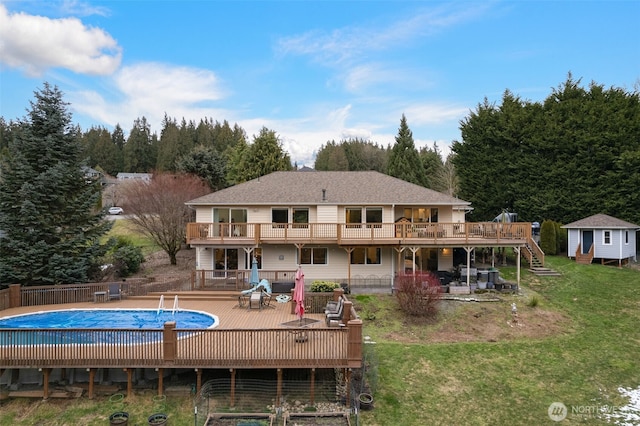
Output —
<point x="114" y="291"/>
<point x="266" y="298"/>
<point x="333" y="306"/>
<point x="337" y="316"/>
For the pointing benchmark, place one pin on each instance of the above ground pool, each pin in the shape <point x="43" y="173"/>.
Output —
<point x="51" y="325"/>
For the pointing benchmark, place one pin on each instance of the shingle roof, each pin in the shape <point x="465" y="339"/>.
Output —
<point x="601" y="221"/>
<point x="306" y="188"/>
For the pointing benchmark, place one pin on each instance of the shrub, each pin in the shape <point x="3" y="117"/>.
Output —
<point x="126" y="257"/>
<point x="324" y="286"/>
<point x="418" y="294"/>
<point x="533" y="301"/>
<point x="548" y="238"/>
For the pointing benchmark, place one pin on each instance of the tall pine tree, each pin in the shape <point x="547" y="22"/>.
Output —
<point x="404" y="160"/>
<point x="48" y="212"/>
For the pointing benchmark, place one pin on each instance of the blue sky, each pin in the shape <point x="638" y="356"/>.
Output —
<point x="313" y="71"/>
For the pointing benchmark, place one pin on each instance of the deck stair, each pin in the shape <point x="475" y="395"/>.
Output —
<point x="535" y="261"/>
<point x="544" y="272"/>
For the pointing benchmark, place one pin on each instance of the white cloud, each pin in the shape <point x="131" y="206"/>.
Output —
<point x="36" y="43"/>
<point x="80" y="8"/>
<point x="425" y="114"/>
<point x="350" y="43"/>
<point x="151" y="90"/>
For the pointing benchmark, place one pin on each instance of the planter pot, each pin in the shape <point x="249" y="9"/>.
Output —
<point x="157" y="419"/>
<point x="119" y="418"/>
<point x="366" y="401"/>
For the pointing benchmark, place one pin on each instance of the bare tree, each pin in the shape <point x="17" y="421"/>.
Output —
<point x="158" y="209"/>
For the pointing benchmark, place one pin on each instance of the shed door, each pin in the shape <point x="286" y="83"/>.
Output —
<point x="587" y="241"/>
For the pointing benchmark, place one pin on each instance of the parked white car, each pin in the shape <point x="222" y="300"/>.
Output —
<point x="115" y="210"/>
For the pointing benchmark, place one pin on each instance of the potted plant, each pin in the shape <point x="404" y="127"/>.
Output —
<point x="157" y="419"/>
<point x="119" y="418"/>
<point x="366" y="401"/>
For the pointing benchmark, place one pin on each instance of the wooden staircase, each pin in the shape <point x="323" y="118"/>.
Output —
<point x="535" y="256"/>
<point x="584" y="258"/>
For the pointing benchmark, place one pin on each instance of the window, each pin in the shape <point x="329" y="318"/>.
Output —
<point x="366" y="256"/>
<point x="226" y="259"/>
<point x="280" y="216"/>
<point x="301" y="218"/>
<point x="374" y="215"/>
<point x="626" y="237"/>
<point x="353" y="216"/>
<point x="313" y="256"/>
<point x="606" y="238"/>
<point x="421" y="214"/>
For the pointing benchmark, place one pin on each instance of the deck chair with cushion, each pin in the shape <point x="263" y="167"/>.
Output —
<point x="114" y="291"/>
<point x="333" y="306"/>
<point x="337" y="315"/>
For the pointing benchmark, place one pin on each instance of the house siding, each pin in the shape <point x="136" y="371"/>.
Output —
<point x="573" y="240"/>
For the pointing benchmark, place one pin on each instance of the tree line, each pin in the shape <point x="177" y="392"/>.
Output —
<point x="575" y="154"/>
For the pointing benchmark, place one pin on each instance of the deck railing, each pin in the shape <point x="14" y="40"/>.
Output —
<point x="362" y="233"/>
<point x="296" y="347"/>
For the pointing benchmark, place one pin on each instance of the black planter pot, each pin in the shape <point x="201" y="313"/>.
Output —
<point x="157" y="419"/>
<point x="366" y="401"/>
<point x="119" y="418"/>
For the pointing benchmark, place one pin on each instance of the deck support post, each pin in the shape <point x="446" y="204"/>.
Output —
<point x="129" y="382"/>
<point x="517" y="250"/>
<point x="347" y="379"/>
<point x="279" y="388"/>
<point x="92" y="379"/>
<point x="46" y="373"/>
<point x="198" y="380"/>
<point x="313" y="385"/>
<point x="233" y="387"/>
<point x="468" y="250"/>
<point x="160" y="380"/>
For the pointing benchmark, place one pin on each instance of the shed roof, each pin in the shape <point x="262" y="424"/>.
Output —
<point x="601" y="221"/>
<point x="317" y="187"/>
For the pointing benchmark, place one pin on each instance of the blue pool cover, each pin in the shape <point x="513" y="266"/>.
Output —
<point x="53" y="323"/>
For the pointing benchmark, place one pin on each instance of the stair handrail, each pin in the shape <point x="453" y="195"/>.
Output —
<point x="536" y="251"/>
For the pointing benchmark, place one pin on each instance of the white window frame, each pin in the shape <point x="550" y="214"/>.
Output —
<point x="607" y="235"/>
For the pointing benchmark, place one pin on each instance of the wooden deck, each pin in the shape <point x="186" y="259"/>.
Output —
<point x="270" y="337"/>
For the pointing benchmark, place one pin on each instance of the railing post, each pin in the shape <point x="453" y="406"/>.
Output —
<point x="169" y="341"/>
<point x="354" y="345"/>
<point x="15" y="300"/>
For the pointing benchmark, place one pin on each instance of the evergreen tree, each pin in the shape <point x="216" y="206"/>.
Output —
<point x="117" y="137"/>
<point x="168" y="147"/>
<point x="47" y="205"/>
<point x="265" y="155"/>
<point x="102" y="153"/>
<point x="139" y="151"/>
<point x="206" y="163"/>
<point x="404" y="161"/>
<point x="432" y="165"/>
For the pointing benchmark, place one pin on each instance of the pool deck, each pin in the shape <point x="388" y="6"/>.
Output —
<point x="225" y="307"/>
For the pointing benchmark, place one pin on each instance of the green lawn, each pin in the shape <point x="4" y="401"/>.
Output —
<point x="124" y="228"/>
<point x="514" y="382"/>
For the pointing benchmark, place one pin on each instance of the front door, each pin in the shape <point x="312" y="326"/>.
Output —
<point x="587" y="241"/>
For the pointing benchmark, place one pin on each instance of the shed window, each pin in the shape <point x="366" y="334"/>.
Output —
<point x="606" y="238"/>
<point x="626" y="237"/>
